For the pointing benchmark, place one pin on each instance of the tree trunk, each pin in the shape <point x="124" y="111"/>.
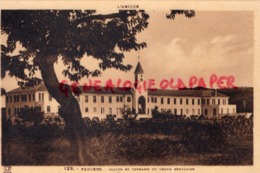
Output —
<point x="69" y="111"/>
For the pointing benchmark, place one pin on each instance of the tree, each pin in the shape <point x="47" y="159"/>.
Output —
<point x="46" y="35"/>
<point x="31" y="115"/>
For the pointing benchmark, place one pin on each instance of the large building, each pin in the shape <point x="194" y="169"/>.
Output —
<point x="94" y="103"/>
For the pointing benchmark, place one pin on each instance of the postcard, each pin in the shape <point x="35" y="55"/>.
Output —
<point x="129" y="86"/>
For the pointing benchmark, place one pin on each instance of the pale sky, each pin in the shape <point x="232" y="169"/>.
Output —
<point x="211" y="42"/>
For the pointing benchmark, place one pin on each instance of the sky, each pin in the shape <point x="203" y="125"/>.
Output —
<point x="212" y="42"/>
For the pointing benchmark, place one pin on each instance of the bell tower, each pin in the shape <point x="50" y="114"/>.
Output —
<point x="138" y="72"/>
<point x="140" y="94"/>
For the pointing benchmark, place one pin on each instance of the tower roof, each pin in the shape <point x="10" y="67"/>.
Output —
<point x="139" y="69"/>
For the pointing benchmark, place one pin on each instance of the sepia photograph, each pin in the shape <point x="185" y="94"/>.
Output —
<point x="127" y="86"/>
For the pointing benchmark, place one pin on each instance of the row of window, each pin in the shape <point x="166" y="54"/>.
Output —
<point x="26" y="97"/>
<point x="119" y="110"/>
<point x="102" y="99"/>
<point x="214" y="101"/>
<point x="16" y="110"/>
<point x="102" y="110"/>
<point x="168" y="100"/>
<point x="180" y="111"/>
<point x="22" y="98"/>
<point x="31" y="97"/>
<point x="188" y="101"/>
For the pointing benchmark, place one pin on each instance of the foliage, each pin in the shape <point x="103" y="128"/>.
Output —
<point x="238" y="95"/>
<point x="152" y="141"/>
<point x="31" y="115"/>
<point x="69" y="34"/>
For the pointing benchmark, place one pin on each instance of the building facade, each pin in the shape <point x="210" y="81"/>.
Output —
<point x="107" y="103"/>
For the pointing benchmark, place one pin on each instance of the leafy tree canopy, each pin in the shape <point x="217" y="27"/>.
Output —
<point x="47" y="34"/>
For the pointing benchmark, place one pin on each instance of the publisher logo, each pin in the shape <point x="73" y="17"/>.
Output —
<point x="7" y="169"/>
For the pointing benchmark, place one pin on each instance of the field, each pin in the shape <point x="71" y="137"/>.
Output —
<point x="179" y="142"/>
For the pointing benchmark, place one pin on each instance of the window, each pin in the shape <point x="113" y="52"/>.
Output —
<point x="168" y="101"/>
<point x="175" y="111"/>
<point x="48" y="109"/>
<point x="161" y="100"/>
<point x="181" y="101"/>
<point x="94" y="109"/>
<point x="94" y="99"/>
<point x="39" y="97"/>
<point x="118" y="110"/>
<point x="206" y="112"/>
<point x="192" y="101"/>
<point x="110" y="111"/>
<point x="193" y="111"/>
<point x="14" y="98"/>
<point x="181" y="111"/>
<point x="17" y="98"/>
<point x="148" y="100"/>
<point x="102" y="110"/>
<point x="128" y="99"/>
<point x="117" y="98"/>
<point x="152" y="99"/>
<point x="155" y="99"/>
<point x="86" y="109"/>
<point x="207" y="101"/>
<point x="148" y="110"/>
<point x="187" y="111"/>
<point x="214" y="111"/>
<point x="198" y="101"/>
<point x="29" y="97"/>
<point x="110" y="99"/>
<point x="15" y="111"/>
<point x="174" y="101"/>
<point x="32" y="96"/>
<point x="219" y="101"/>
<point x="86" y="99"/>
<point x="42" y="97"/>
<point x="50" y="97"/>
<point x="121" y="99"/>
<point x="187" y="101"/>
<point x="203" y="101"/>
<point x="102" y="99"/>
<point x="10" y="99"/>
<point x="223" y="101"/>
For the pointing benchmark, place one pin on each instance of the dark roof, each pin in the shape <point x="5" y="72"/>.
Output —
<point x="185" y="93"/>
<point x="40" y="87"/>
<point x="116" y="90"/>
<point x="139" y="69"/>
<point x="104" y="90"/>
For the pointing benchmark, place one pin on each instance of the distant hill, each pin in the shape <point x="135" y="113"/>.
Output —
<point x="238" y="95"/>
